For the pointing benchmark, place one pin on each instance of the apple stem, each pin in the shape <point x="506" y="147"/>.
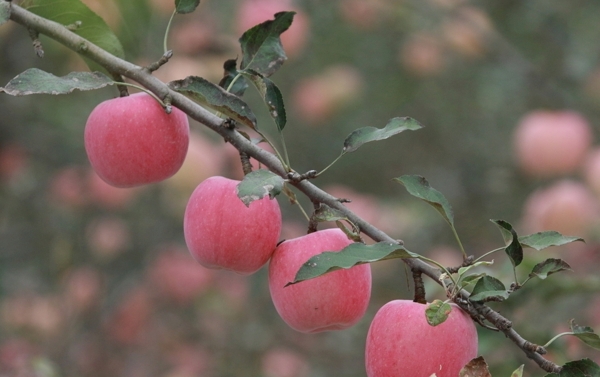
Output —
<point x="556" y="337"/>
<point x="246" y="165"/>
<point x="419" y="286"/>
<point x="167" y="30"/>
<point x="166" y="104"/>
<point x="118" y="79"/>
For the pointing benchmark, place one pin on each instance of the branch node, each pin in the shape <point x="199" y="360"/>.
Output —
<point x="296" y="177"/>
<point x="74" y="26"/>
<point x="37" y="44"/>
<point x="162" y="61"/>
<point x="313" y="223"/>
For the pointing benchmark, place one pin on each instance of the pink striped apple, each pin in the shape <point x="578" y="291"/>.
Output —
<point x="400" y="342"/>
<point x="333" y="301"/>
<point x="131" y="141"/>
<point x="222" y="233"/>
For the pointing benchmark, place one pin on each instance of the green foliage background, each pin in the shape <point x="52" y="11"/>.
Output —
<point x="536" y="55"/>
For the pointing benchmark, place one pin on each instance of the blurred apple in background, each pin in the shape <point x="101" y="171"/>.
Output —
<point x="68" y="188"/>
<point x="282" y="362"/>
<point x="83" y="289"/>
<point x="176" y="276"/>
<point x="107" y="237"/>
<point x="14" y="159"/>
<point x="566" y="206"/>
<point x="591" y="170"/>
<point x="363" y="14"/>
<point x="108" y="196"/>
<point x="315" y="99"/>
<point x="129" y="320"/>
<point x="422" y="54"/>
<point x="551" y="143"/>
<point x="465" y="31"/>
<point x="253" y="12"/>
<point x="203" y="160"/>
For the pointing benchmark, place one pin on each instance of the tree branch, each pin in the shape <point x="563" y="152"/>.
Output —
<point x="118" y="66"/>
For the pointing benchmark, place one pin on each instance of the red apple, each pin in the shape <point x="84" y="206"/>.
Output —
<point x="551" y="143"/>
<point x="591" y="170"/>
<point x="281" y="362"/>
<point x="254" y="12"/>
<point x="422" y="54"/>
<point x="333" y="301"/>
<point x="178" y="277"/>
<point x="131" y="141"/>
<point x="566" y="206"/>
<point x="222" y="233"/>
<point x="400" y="342"/>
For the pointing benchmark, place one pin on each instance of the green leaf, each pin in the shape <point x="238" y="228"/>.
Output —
<point x="36" y="81"/>
<point x="471" y="279"/>
<point x="230" y="73"/>
<point x="518" y="372"/>
<point x="585" y="334"/>
<point x="475" y="368"/>
<point x="326" y="213"/>
<point x="514" y="249"/>
<point x="542" y="240"/>
<point x="271" y="96"/>
<point x="437" y="312"/>
<point x="258" y="184"/>
<point x="579" y="368"/>
<point x="4" y="11"/>
<point x="208" y="94"/>
<point x="93" y="28"/>
<point x="489" y="288"/>
<point x="352" y="255"/>
<point x="367" y="134"/>
<point x="261" y="45"/>
<point x="419" y="187"/>
<point x="548" y="267"/>
<point x="186" y="6"/>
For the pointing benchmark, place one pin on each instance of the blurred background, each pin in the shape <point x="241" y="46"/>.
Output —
<point x="97" y="281"/>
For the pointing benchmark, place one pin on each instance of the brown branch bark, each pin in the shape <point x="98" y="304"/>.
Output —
<point x="64" y="36"/>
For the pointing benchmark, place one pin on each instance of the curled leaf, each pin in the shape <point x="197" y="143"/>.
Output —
<point x="548" y="267"/>
<point x="419" y="187"/>
<point x="208" y="94"/>
<point x="186" y="6"/>
<point x="367" y="134"/>
<point x="514" y="248"/>
<point x="36" y="81"/>
<point x="475" y="368"/>
<point x="586" y="334"/>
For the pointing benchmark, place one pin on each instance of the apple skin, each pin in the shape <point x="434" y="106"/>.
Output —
<point x="131" y="141"/>
<point x="552" y="143"/>
<point x="400" y="342"/>
<point x="222" y="233"/>
<point x="334" y="301"/>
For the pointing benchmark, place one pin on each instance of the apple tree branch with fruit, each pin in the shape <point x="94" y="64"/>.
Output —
<point x="320" y="281"/>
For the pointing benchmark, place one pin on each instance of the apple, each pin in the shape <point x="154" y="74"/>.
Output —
<point x="108" y="196"/>
<point x="551" y="143"/>
<point x="253" y="12"/>
<point x="422" y="54"/>
<point x="131" y="141"/>
<point x="222" y="233"/>
<point x="319" y="97"/>
<point x="400" y="342"/>
<point x="591" y="170"/>
<point x="567" y="206"/>
<point x="177" y="277"/>
<point x="282" y="362"/>
<point x="333" y="301"/>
